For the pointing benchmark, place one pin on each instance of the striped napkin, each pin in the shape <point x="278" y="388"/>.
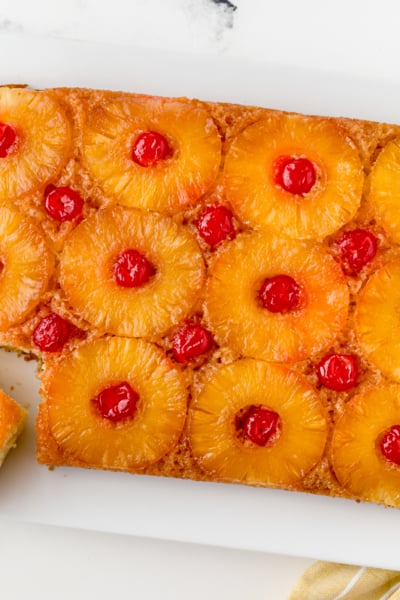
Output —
<point x="330" y="581"/>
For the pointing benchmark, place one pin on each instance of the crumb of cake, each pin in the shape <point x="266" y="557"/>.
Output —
<point x="12" y="422"/>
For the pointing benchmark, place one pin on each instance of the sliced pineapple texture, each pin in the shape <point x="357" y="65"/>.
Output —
<point x="356" y="454"/>
<point x="184" y="166"/>
<point x="258" y="199"/>
<point x="26" y="266"/>
<point x="384" y="189"/>
<point x="41" y="140"/>
<point x="240" y="321"/>
<point x="214" y="437"/>
<point x="71" y="384"/>
<point x="377" y="319"/>
<point x="148" y="309"/>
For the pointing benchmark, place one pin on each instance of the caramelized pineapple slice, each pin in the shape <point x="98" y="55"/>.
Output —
<point x="34" y="140"/>
<point x="141" y="272"/>
<point x="26" y="266"/>
<point x="115" y="403"/>
<point x="360" y="441"/>
<point x="152" y="153"/>
<point x="250" y="308"/>
<point x="278" y="452"/>
<point x="384" y="189"/>
<point x="300" y="175"/>
<point x="377" y="320"/>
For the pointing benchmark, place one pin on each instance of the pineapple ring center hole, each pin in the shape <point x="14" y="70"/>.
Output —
<point x="131" y="269"/>
<point x="8" y="138"/>
<point x="258" y="424"/>
<point x="296" y="175"/>
<point x="116" y="402"/>
<point x="151" y="147"/>
<point x="281" y="294"/>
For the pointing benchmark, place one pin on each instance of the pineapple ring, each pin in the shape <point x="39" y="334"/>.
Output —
<point x="71" y="383"/>
<point x="355" y="455"/>
<point x="171" y="184"/>
<point x="251" y="330"/>
<point x="43" y="140"/>
<point x="231" y="388"/>
<point x="92" y="290"/>
<point x="26" y="266"/>
<point x="377" y="320"/>
<point x="259" y="201"/>
<point x="384" y="189"/>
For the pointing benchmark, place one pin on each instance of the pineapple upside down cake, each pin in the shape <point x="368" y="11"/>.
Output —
<point x="213" y="290"/>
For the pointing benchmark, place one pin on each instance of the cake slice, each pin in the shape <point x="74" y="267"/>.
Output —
<point x="12" y="421"/>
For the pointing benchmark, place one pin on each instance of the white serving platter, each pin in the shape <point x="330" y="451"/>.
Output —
<point x="225" y="515"/>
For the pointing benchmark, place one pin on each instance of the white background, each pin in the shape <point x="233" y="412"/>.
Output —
<point x="357" y="39"/>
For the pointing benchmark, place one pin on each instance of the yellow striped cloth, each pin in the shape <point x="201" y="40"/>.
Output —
<point x="330" y="581"/>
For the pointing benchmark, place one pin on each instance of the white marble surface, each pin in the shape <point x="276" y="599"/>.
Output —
<point x="342" y="35"/>
<point x="359" y="40"/>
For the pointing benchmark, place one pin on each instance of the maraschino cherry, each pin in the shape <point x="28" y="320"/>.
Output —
<point x="191" y="341"/>
<point x="52" y="333"/>
<point x="150" y="148"/>
<point x="295" y="175"/>
<point x="259" y="424"/>
<point x="357" y="248"/>
<point x="132" y="269"/>
<point x="390" y="444"/>
<point x="280" y="294"/>
<point x="215" y="224"/>
<point x="63" y="203"/>
<point x="116" y="402"/>
<point x="338" y="372"/>
<point x="8" y="135"/>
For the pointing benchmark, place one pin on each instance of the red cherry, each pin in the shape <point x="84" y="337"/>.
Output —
<point x="357" y="248"/>
<point x="338" y="372"/>
<point x="295" y="175"/>
<point x="63" y="203"/>
<point x="149" y="148"/>
<point x="191" y="341"/>
<point x="116" y="402"/>
<point x="280" y="294"/>
<point x="132" y="269"/>
<point x="8" y="136"/>
<point x="259" y="424"/>
<point x="390" y="444"/>
<point x="215" y="224"/>
<point x="52" y="333"/>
